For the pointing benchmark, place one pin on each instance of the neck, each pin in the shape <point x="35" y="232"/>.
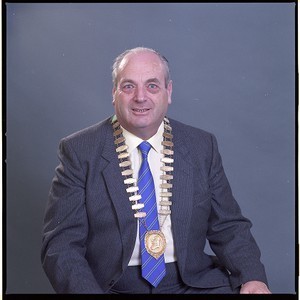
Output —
<point x="143" y="133"/>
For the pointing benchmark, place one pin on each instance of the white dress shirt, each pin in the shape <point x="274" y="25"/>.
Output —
<point x="154" y="159"/>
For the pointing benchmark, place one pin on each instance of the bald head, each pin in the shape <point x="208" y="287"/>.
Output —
<point x="121" y="61"/>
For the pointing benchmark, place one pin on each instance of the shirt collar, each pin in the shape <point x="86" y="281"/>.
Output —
<point x="132" y="141"/>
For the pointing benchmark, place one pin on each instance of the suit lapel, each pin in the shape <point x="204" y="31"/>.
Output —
<point x="116" y="188"/>
<point x="182" y="198"/>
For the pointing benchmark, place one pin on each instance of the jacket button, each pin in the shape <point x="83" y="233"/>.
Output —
<point x="112" y="283"/>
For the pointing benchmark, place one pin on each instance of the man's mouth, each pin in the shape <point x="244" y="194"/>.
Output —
<point x="140" y="110"/>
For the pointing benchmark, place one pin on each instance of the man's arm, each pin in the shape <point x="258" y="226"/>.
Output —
<point x="66" y="229"/>
<point x="229" y="231"/>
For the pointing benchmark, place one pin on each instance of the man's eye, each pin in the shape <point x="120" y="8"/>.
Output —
<point x="127" y="87"/>
<point x="152" y="86"/>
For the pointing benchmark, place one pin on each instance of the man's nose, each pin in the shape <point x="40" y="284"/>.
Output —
<point x="140" y="94"/>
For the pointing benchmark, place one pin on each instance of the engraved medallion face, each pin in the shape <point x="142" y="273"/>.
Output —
<point x="155" y="243"/>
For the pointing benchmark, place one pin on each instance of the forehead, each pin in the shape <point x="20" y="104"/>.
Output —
<point x="143" y="63"/>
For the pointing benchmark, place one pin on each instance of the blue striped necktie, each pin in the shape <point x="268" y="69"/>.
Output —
<point x="153" y="270"/>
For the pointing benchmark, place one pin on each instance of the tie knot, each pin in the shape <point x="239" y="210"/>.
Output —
<point x="145" y="148"/>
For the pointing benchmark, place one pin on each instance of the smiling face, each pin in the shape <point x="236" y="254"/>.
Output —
<point x="141" y="97"/>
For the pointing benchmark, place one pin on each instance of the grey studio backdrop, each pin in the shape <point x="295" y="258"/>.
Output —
<point x="233" y="68"/>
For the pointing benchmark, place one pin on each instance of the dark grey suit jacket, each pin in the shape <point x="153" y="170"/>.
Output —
<point x="89" y="229"/>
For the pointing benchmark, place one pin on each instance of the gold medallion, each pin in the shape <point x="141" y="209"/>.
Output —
<point x="155" y="243"/>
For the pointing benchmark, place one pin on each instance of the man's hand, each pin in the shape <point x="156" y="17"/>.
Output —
<point x="254" y="287"/>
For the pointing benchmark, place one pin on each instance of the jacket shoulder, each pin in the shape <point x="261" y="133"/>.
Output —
<point x="93" y="132"/>
<point x="190" y="131"/>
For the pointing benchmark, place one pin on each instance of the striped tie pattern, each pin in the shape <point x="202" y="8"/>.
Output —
<point x="153" y="270"/>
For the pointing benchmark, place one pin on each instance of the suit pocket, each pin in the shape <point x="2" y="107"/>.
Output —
<point x="216" y="277"/>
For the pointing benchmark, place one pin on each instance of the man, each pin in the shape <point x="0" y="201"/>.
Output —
<point x="101" y="235"/>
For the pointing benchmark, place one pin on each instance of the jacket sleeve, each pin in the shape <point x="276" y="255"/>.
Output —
<point x="66" y="229"/>
<point x="229" y="231"/>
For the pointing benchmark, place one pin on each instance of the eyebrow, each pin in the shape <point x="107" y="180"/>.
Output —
<point x="127" y="81"/>
<point x="155" y="80"/>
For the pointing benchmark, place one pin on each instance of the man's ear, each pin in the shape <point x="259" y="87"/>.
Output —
<point x="113" y="95"/>
<point x="169" y="89"/>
